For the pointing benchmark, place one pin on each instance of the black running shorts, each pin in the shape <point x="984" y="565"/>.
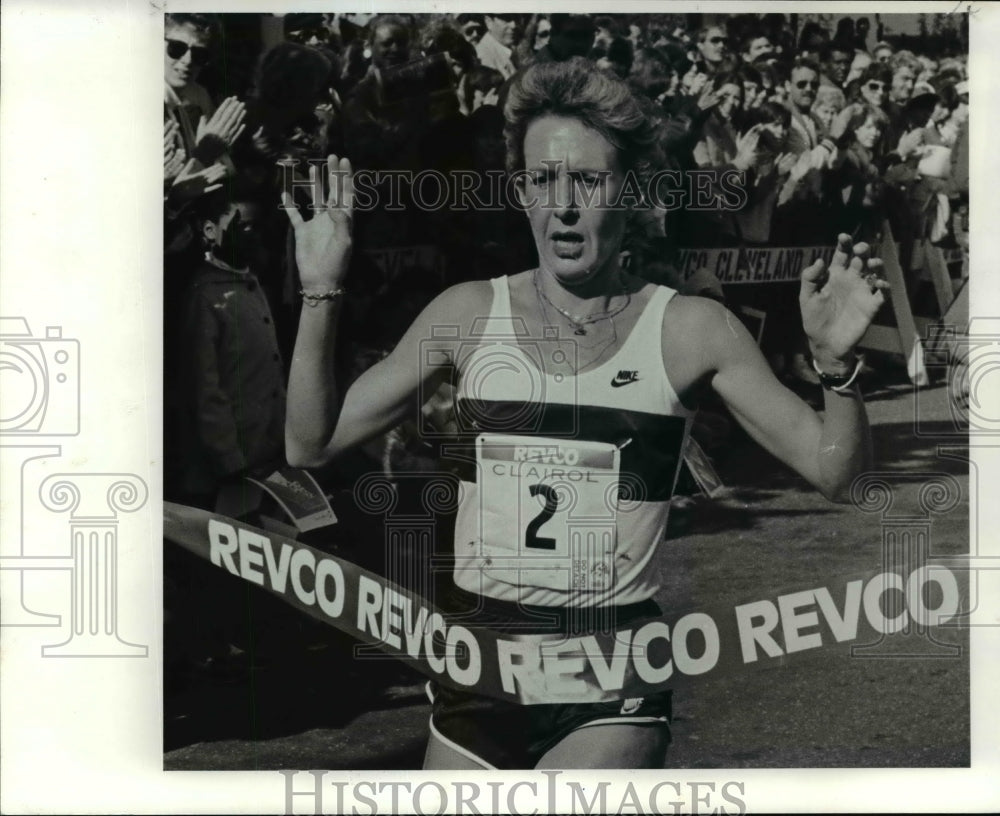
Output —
<point x="498" y="734"/>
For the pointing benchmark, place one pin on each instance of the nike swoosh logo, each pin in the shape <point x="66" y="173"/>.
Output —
<point x="616" y="383"/>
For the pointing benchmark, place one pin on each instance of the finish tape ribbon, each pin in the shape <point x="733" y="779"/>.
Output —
<point x="604" y="664"/>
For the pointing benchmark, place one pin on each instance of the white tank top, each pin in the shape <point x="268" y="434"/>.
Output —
<point x="566" y="494"/>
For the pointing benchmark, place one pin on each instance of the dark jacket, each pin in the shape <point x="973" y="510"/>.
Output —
<point x="231" y="391"/>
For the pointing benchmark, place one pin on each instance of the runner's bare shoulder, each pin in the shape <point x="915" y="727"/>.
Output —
<point x="698" y="335"/>
<point x="453" y="313"/>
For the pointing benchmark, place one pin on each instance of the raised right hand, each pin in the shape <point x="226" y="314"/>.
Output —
<point x="323" y="243"/>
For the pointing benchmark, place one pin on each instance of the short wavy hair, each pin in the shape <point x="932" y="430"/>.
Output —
<point x="207" y="25"/>
<point x="576" y="89"/>
<point x="863" y="114"/>
<point x="905" y="59"/>
<point x="830" y="95"/>
<point x="386" y="20"/>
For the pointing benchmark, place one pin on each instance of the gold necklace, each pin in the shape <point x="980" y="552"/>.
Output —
<point x="572" y="360"/>
<point x="579" y="323"/>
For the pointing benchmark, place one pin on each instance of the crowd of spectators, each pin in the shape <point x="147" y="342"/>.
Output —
<point x="829" y="131"/>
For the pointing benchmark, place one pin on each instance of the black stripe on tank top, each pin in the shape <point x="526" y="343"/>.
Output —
<point x="650" y="443"/>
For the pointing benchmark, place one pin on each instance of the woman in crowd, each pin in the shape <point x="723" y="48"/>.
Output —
<point x="574" y="133"/>
<point x="829" y="102"/>
<point x="652" y="76"/>
<point x="295" y="103"/>
<point x="872" y="87"/>
<point x="718" y="143"/>
<point x="854" y="183"/>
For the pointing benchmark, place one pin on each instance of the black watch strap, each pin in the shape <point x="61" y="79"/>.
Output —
<point x="839" y="382"/>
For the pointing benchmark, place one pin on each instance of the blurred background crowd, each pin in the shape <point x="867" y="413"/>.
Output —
<point x="835" y="124"/>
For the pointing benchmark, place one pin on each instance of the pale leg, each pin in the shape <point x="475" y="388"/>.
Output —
<point x="624" y="745"/>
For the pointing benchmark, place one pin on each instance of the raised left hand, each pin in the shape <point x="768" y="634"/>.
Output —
<point x="838" y="303"/>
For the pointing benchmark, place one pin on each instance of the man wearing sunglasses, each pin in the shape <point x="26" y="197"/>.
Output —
<point x="802" y="86"/>
<point x="307" y="29"/>
<point x="206" y="132"/>
<point x="571" y="35"/>
<point x="713" y="45"/>
<point x="186" y="40"/>
<point x="472" y="26"/>
<point x="496" y="48"/>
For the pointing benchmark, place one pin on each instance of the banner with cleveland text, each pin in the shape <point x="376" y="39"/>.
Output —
<point x="752" y="265"/>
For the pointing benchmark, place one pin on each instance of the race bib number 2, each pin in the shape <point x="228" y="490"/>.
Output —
<point x="548" y="510"/>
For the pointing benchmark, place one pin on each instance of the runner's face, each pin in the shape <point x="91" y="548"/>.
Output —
<point x="573" y="174"/>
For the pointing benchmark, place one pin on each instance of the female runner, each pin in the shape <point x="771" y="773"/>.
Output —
<point x="572" y="378"/>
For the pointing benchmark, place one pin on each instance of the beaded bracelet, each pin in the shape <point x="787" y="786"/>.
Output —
<point x="315" y="298"/>
<point x="839" y="382"/>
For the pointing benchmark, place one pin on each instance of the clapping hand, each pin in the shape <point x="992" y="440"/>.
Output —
<point x="226" y="123"/>
<point x="191" y="183"/>
<point x="171" y="134"/>
<point x="785" y="163"/>
<point x="838" y="127"/>
<point x="911" y="143"/>
<point x="323" y="243"/>
<point x="747" y="149"/>
<point x="174" y="155"/>
<point x="173" y="163"/>
<point x="707" y="99"/>
<point x="838" y="303"/>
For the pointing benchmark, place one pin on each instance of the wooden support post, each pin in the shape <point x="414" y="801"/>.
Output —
<point x="940" y="277"/>
<point x="906" y="329"/>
